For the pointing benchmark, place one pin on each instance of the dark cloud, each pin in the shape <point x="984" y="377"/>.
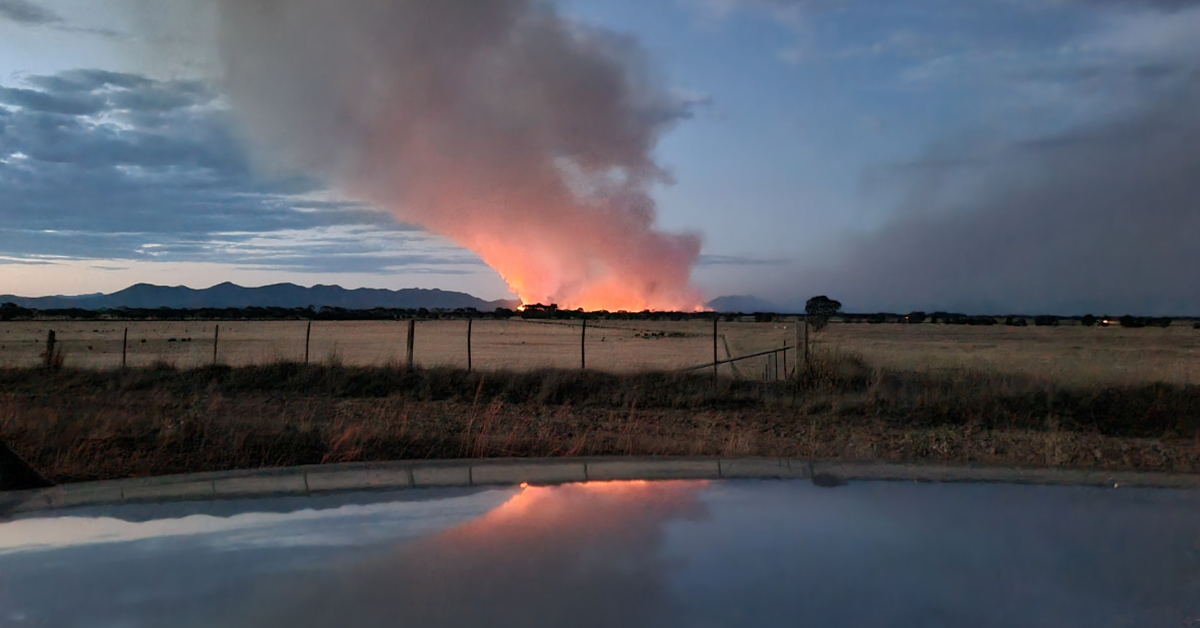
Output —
<point x="1103" y="218"/>
<point x="26" y="12"/>
<point x="96" y="165"/>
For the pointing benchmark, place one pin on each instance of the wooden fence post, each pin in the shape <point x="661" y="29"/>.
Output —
<point x="807" y="352"/>
<point x="216" y="341"/>
<point x="799" y="341"/>
<point x="48" y="358"/>
<point x="583" y="347"/>
<point x="124" y="347"/>
<point x="412" y="335"/>
<point x="785" y="348"/>
<point x="469" y="321"/>
<point x="307" y="339"/>
<point x="715" y="358"/>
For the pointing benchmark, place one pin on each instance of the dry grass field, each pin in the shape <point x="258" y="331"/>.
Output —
<point x="1041" y="396"/>
<point x="616" y="346"/>
<point x="1066" y="355"/>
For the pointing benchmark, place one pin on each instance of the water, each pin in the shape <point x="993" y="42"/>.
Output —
<point x="728" y="553"/>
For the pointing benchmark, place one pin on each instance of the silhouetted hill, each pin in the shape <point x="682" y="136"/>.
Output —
<point x="228" y="295"/>
<point x="741" y="304"/>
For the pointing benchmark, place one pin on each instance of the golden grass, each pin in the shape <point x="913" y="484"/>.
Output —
<point x="1060" y="396"/>
<point x="1069" y="355"/>
<point x="1066" y="355"/>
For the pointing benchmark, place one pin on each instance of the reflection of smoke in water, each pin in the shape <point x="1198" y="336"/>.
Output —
<point x="577" y="555"/>
<point x="520" y="135"/>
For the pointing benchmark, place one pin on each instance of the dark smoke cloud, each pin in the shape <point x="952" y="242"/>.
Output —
<point x="520" y="135"/>
<point x="26" y="12"/>
<point x="1104" y="218"/>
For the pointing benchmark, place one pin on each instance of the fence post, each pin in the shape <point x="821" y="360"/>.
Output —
<point x="583" y="347"/>
<point x="715" y="358"/>
<point x="412" y="335"/>
<point x="307" y="339"/>
<point x="469" y="321"/>
<point x="807" y="353"/>
<point x="800" y="342"/>
<point x="785" y="348"/>
<point x="124" y="347"/>
<point x="48" y="358"/>
<point x="216" y="340"/>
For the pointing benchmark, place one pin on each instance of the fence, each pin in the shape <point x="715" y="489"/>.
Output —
<point x="741" y="349"/>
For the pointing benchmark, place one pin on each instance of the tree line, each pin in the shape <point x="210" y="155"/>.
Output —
<point x="819" y="310"/>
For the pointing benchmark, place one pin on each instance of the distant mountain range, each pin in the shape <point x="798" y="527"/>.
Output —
<point x="288" y="295"/>
<point x="228" y="295"/>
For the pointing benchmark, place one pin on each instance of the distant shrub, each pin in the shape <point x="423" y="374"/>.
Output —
<point x="1045" y="321"/>
<point x="1132" y="322"/>
<point x="915" y="318"/>
<point x="1016" y="321"/>
<point x="1088" y="320"/>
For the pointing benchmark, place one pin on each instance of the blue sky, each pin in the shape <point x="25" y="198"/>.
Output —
<point x="1000" y="155"/>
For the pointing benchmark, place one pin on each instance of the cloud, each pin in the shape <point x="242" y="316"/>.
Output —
<point x="117" y="166"/>
<point x="26" y="12"/>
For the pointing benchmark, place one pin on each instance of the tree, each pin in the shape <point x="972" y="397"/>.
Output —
<point x="915" y="318"/>
<point x="819" y="309"/>
<point x="1088" y="320"/>
<point x="12" y="312"/>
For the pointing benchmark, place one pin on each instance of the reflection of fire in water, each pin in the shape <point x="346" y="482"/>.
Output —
<point x="549" y="556"/>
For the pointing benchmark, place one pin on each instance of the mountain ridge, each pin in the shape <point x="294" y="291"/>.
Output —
<point x="287" y="295"/>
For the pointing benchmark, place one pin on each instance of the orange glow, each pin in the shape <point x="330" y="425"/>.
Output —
<point x="549" y="507"/>
<point x="583" y="257"/>
<point x="533" y="285"/>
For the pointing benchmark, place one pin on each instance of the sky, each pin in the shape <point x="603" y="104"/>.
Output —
<point x="1003" y="156"/>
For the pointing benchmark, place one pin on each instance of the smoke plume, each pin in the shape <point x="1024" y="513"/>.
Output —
<point x="518" y="134"/>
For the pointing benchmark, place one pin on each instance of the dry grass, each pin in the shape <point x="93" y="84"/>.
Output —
<point x="1065" y="356"/>
<point x="1070" y="355"/>
<point x="77" y="424"/>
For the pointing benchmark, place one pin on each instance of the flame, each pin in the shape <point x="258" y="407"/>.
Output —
<point x="589" y="262"/>
<point x="602" y="289"/>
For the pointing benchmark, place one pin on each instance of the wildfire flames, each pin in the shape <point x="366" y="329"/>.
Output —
<point x="519" y="135"/>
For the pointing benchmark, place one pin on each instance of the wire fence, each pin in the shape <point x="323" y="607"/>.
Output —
<point x="754" y="350"/>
